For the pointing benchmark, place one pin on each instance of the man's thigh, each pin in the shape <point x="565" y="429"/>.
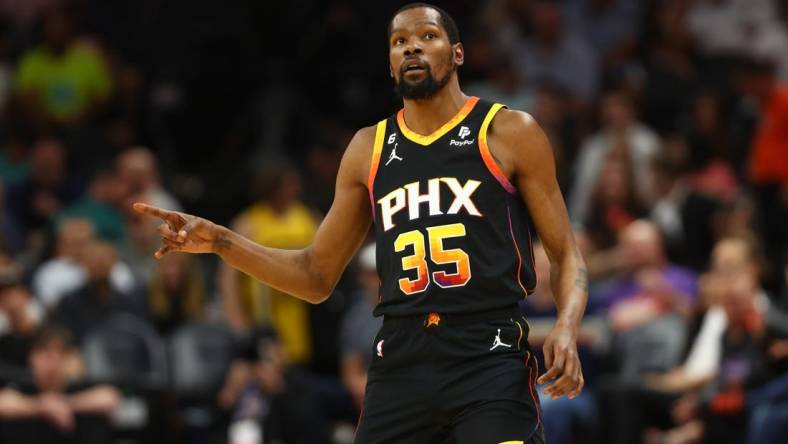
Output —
<point x="505" y="421"/>
<point x="397" y="411"/>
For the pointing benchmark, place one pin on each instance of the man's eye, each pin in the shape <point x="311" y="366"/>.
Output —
<point x="429" y="36"/>
<point x="399" y="41"/>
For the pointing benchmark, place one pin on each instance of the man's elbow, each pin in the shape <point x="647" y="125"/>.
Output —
<point x="320" y="294"/>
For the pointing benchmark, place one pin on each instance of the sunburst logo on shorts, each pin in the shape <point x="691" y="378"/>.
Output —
<point x="433" y="319"/>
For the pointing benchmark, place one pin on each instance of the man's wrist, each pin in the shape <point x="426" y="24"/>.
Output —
<point x="567" y="324"/>
<point x="222" y="241"/>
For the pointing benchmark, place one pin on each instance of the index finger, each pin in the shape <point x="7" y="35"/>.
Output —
<point x="154" y="211"/>
<point x="549" y="375"/>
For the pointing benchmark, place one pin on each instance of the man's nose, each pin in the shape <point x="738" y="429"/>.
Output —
<point x="413" y="50"/>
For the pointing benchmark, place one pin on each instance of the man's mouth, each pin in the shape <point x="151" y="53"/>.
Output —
<point x="413" y="66"/>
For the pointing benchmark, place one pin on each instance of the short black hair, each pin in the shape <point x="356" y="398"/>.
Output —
<point x="51" y="333"/>
<point x="447" y="21"/>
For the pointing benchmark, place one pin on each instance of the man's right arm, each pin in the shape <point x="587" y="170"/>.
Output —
<point x="310" y="273"/>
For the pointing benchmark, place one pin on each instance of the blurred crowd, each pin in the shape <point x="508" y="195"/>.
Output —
<point x="669" y="124"/>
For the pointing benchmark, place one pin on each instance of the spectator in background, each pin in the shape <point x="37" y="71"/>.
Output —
<point x="276" y="399"/>
<point x="768" y="405"/>
<point x="176" y="292"/>
<point x="730" y="257"/>
<point x="23" y="14"/>
<point x="65" y="272"/>
<point x="358" y="328"/>
<point x="555" y="54"/>
<point x="22" y="317"/>
<point x="671" y="70"/>
<point x="278" y="219"/>
<point x="101" y="206"/>
<point x="135" y="250"/>
<point x="769" y="151"/>
<point x="323" y="164"/>
<point x="503" y="84"/>
<point x="54" y="409"/>
<point x="648" y="401"/>
<point x="683" y="215"/>
<point x="46" y="191"/>
<point x="613" y="203"/>
<point x="139" y="173"/>
<point x="768" y="160"/>
<point x="622" y="136"/>
<point x="551" y="109"/>
<point x="744" y="368"/>
<point x="649" y="301"/>
<point x="61" y="82"/>
<point x="725" y="28"/>
<point x="610" y="26"/>
<point x="706" y="133"/>
<point x="97" y="299"/>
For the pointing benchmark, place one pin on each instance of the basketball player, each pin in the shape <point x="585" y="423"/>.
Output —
<point x="449" y="182"/>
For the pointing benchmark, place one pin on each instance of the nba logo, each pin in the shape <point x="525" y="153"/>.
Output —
<point x="464" y="132"/>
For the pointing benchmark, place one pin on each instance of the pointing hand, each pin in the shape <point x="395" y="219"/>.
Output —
<point x="182" y="232"/>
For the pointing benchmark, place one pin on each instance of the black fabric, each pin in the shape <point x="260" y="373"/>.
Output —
<point x="15" y="348"/>
<point x="88" y="429"/>
<point x="496" y="239"/>
<point x="443" y="383"/>
<point x="85" y="308"/>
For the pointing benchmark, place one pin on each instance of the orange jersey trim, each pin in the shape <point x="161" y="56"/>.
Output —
<point x="487" y="157"/>
<point x="445" y="128"/>
<point x="517" y="250"/>
<point x="377" y="148"/>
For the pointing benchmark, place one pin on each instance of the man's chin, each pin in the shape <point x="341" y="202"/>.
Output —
<point x="416" y="90"/>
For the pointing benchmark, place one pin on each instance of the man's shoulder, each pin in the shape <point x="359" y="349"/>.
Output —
<point x="359" y="151"/>
<point x="512" y="124"/>
<point x="365" y="136"/>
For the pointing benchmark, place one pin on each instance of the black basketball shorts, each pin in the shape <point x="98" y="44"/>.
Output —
<point x="461" y="379"/>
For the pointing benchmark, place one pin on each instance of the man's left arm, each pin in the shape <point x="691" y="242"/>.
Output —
<point x="522" y="150"/>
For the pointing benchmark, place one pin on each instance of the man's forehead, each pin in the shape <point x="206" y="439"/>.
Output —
<point x="412" y="18"/>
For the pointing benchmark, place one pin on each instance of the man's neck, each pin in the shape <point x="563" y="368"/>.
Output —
<point x="428" y="115"/>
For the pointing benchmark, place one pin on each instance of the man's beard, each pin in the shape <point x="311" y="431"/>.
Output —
<point x="422" y="89"/>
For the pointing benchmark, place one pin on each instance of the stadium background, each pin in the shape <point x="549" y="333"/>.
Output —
<point x="669" y="121"/>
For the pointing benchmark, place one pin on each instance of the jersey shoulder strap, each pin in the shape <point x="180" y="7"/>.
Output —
<point x="487" y="114"/>
<point x="377" y="148"/>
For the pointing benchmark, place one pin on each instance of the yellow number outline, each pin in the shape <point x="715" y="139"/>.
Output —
<point x="438" y="255"/>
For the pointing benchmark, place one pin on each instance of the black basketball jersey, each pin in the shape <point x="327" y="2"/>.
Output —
<point x="451" y="231"/>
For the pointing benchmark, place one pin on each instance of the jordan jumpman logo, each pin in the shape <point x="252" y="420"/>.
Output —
<point x="394" y="155"/>
<point x="497" y="342"/>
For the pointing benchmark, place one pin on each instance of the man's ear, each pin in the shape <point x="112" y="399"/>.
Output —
<point x="459" y="53"/>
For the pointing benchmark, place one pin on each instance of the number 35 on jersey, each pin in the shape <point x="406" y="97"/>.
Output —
<point x="409" y="199"/>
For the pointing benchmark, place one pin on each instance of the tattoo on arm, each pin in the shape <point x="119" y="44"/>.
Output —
<point x="582" y="278"/>
<point x="582" y="273"/>
<point x="222" y="243"/>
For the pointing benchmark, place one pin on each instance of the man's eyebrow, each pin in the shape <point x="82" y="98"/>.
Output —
<point x="424" y="22"/>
